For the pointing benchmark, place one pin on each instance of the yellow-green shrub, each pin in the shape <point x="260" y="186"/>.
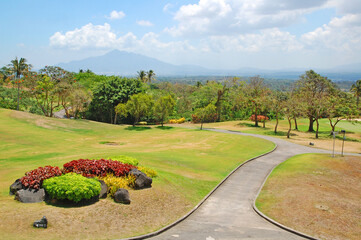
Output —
<point x="148" y="171"/>
<point x="114" y="183"/>
<point x="125" y="159"/>
<point x="178" y="121"/>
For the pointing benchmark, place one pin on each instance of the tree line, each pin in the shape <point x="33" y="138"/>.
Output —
<point x="115" y="99"/>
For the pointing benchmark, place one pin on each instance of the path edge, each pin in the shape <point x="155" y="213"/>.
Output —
<point x="153" y="234"/>
<point x="291" y="230"/>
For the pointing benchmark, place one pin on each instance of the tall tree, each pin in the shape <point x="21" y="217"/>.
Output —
<point x="142" y="76"/>
<point x="257" y="93"/>
<point x="139" y="105"/>
<point x="277" y="103"/>
<point x="108" y="94"/>
<point x="163" y="108"/>
<point x="313" y="88"/>
<point x="206" y="114"/>
<point x="18" y="67"/>
<point x="356" y="89"/>
<point x="150" y="76"/>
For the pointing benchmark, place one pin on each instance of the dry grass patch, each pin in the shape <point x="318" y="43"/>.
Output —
<point x="317" y="195"/>
<point x="103" y="220"/>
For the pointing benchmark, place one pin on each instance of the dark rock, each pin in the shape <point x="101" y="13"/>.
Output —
<point x="42" y="223"/>
<point x="142" y="180"/>
<point x="30" y="195"/>
<point x="104" y="190"/>
<point x="16" y="186"/>
<point x="122" y="196"/>
<point x="312" y="144"/>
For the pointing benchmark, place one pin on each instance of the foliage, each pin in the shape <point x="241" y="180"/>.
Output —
<point x="148" y="171"/>
<point x="125" y="159"/>
<point x="73" y="187"/>
<point x="108" y="94"/>
<point x="91" y="168"/>
<point x="356" y="89"/>
<point x="177" y="121"/>
<point x="114" y="183"/>
<point x="34" y="179"/>
<point x="163" y="108"/>
<point x="206" y="114"/>
<point x="139" y="105"/>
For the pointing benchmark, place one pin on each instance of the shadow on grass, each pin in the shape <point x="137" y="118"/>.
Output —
<point x="279" y="133"/>
<point x="136" y="128"/>
<point x="70" y="204"/>
<point x="164" y="127"/>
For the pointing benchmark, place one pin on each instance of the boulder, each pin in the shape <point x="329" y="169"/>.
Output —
<point x="16" y="186"/>
<point x="104" y="190"/>
<point x="122" y="196"/>
<point x="141" y="179"/>
<point x="30" y="195"/>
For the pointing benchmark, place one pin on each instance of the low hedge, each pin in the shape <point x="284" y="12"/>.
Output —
<point x="125" y="159"/>
<point x="34" y="178"/>
<point x="72" y="186"/>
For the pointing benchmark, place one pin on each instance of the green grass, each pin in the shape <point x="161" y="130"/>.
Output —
<point x="189" y="162"/>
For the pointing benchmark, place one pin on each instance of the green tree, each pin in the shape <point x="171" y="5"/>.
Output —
<point x="338" y="107"/>
<point x="150" y="76"/>
<point x="277" y="103"/>
<point x="257" y="93"/>
<point x="314" y="89"/>
<point x="142" y="76"/>
<point x="108" y="94"/>
<point x="120" y="110"/>
<point x="356" y="89"/>
<point x="206" y="114"/>
<point x="17" y="68"/>
<point x="163" y="108"/>
<point x="139" y="105"/>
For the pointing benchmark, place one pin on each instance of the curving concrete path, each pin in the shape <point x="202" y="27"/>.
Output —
<point x="228" y="212"/>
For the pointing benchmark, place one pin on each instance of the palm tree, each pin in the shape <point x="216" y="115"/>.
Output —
<point x="142" y="76"/>
<point x="150" y="75"/>
<point x="356" y="89"/>
<point x="18" y="67"/>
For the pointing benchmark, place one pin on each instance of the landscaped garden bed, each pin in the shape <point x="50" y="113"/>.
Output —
<point x="83" y="181"/>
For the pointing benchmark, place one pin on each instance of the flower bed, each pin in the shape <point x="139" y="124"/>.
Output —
<point x="34" y="179"/>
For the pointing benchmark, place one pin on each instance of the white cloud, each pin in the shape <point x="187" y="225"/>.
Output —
<point x="144" y="23"/>
<point x="167" y="7"/>
<point x="340" y="34"/>
<point x="116" y="15"/>
<point x="226" y="17"/>
<point x="90" y="35"/>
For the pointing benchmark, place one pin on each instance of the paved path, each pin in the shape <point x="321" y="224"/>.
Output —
<point x="228" y="212"/>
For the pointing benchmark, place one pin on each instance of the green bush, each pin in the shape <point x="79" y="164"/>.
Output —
<point x="72" y="186"/>
<point x="126" y="159"/>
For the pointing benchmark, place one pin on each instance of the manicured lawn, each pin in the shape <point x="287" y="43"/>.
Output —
<point x="325" y="141"/>
<point x="189" y="164"/>
<point x="316" y="194"/>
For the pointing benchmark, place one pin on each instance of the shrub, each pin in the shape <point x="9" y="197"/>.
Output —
<point x="260" y="118"/>
<point x="91" y="168"/>
<point x="126" y="160"/>
<point x="72" y="186"/>
<point x="114" y="183"/>
<point x="178" y="121"/>
<point x="34" y="179"/>
<point x="142" y="123"/>
<point x="148" y="171"/>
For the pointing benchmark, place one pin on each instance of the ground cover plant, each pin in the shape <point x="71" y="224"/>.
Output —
<point x="34" y="179"/>
<point x="72" y="186"/>
<point x="315" y="194"/>
<point x="189" y="164"/>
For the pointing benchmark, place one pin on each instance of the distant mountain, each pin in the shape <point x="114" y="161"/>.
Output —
<point x="128" y="64"/>
<point x="125" y="63"/>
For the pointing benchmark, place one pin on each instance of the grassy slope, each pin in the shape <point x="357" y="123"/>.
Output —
<point x="190" y="163"/>
<point x="316" y="194"/>
<point x="353" y="132"/>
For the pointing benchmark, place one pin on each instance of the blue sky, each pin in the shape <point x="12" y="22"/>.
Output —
<point x="225" y="34"/>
